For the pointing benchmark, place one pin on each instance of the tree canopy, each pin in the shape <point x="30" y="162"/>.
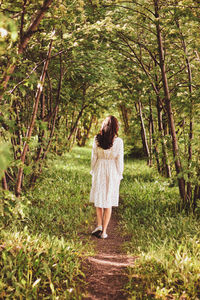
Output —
<point x="65" y="64"/>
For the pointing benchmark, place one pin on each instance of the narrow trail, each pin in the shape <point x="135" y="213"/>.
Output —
<point x="105" y="272"/>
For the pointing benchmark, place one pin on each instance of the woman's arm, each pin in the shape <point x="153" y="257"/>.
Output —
<point x="120" y="158"/>
<point x="94" y="156"/>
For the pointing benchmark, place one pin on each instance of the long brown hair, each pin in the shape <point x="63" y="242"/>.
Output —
<point x="107" y="133"/>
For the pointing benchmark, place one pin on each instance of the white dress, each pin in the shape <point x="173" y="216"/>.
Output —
<point x="106" y="170"/>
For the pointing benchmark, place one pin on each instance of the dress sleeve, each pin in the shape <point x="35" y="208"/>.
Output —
<point x="94" y="156"/>
<point x="120" y="159"/>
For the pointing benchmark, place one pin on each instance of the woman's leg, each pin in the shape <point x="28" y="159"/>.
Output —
<point x="99" y="212"/>
<point x="106" y="218"/>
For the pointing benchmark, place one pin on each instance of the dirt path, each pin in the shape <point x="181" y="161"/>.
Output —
<point x="105" y="272"/>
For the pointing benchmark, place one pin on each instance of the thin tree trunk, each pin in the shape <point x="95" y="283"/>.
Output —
<point x="143" y="132"/>
<point x="66" y="124"/>
<point x="74" y="139"/>
<point x="150" y="134"/>
<point x="88" y="129"/>
<point x="32" y="122"/>
<point x="156" y="90"/>
<point x="45" y="151"/>
<point x="71" y="123"/>
<point x="56" y="109"/>
<point x="4" y="182"/>
<point x="196" y="196"/>
<point x="189" y="73"/>
<point x="18" y="132"/>
<point x="82" y="140"/>
<point x="50" y="98"/>
<point x="178" y="166"/>
<point x="165" y="165"/>
<point x="51" y="134"/>
<point x="43" y="156"/>
<point x="74" y="127"/>
<point x="151" y="125"/>
<point x="41" y="134"/>
<point x="124" y="113"/>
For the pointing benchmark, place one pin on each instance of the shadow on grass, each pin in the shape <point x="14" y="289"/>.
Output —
<point x="60" y="200"/>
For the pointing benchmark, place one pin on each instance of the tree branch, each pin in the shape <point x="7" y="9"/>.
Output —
<point x="34" y="25"/>
<point x="129" y="8"/>
<point x="140" y="44"/>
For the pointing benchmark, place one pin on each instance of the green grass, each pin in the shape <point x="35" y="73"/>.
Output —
<point x="42" y="241"/>
<point x="166" y="242"/>
<point x="64" y="205"/>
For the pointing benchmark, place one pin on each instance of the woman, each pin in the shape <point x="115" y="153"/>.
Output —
<point x="107" y="166"/>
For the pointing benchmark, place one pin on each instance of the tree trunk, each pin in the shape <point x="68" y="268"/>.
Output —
<point x="150" y="134"/>
<point x="45" y="151"/>
<point x="189" y="73"/>
<point x="4" y="182"/>
<point x="124" y="113"/>
<point x="74" y="127"/>
<point x="178" y="166"/>
<point x="32" y="122"/>
<point x="50" y="98"/>
<point x="165" y="165"/>
<point x="151" y="126"/>
<point x="143" y="133"/>
<point x="189" y="187"/>
<point x="88" y="130"/>
<point x="82" y="139"/>
<point x="41" y="134"/>
<point x="51" y="134"/>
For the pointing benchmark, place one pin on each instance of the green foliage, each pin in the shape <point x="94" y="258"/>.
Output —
<point x="41" y="250"/>
<point x="165" y="241"/>
<point x="5" y="157"/>
<point x="8" y="33"/>
<point x="12" y="209"/>
<point x="105" y="55"/>
<point x="39" y="267"/>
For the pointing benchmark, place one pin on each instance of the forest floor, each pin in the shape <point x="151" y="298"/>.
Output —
<point x="47" y="251"/>
<point x="106" y="272"/>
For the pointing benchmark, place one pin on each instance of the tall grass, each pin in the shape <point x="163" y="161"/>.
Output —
<point x="43" y="238"/>
<point x="165" y="240"/>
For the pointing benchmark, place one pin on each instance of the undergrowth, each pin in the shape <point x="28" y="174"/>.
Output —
<point x="165" y="241"/>
<point x="42" y="239"/>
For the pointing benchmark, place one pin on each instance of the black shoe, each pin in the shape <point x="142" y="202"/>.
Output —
<point x="97" y="232"/>
<point x="99" y="235"/>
